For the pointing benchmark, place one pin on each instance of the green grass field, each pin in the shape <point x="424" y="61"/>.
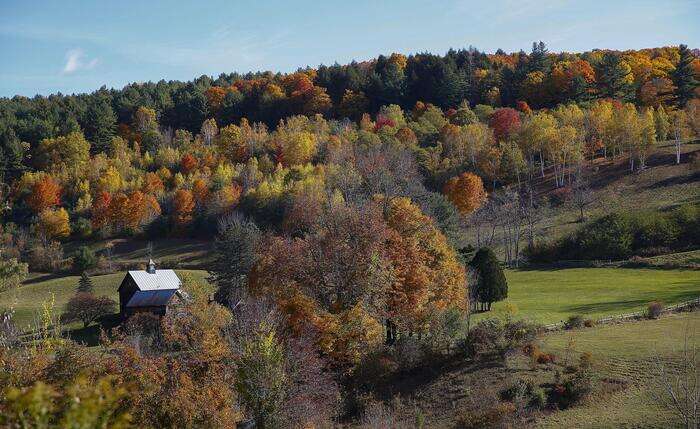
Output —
<point x="546" y="296"/>
<point x="550" y="296"/>
<point x="625" y="352"/>
<point x="38" y="289"/>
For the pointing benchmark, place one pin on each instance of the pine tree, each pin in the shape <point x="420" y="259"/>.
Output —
<point x="539" y="58"/>
<point x="85" y="284"/>
<point x="100" y="122"/>
<point x="235" y="252"/>
<point x="615" y="78"/>
<point x="684" y="76"/>
<point x="491" y="284"/>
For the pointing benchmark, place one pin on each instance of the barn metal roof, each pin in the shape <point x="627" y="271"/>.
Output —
<point x="151" y="298"/>
<point x="160" y="280"/>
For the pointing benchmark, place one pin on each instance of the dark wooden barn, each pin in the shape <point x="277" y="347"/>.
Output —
<point x="149" y="290"/>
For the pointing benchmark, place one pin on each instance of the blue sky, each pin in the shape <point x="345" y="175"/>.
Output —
<point x="78" y="46"/>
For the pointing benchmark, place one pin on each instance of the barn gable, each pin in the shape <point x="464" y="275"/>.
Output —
<point x="148" y="290"/>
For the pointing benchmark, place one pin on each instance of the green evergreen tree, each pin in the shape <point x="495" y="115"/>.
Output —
<point x="491" y="285"/>
<point x="85" y="284"/>
<point x="684" y="76"/>
<point x="539" y="58"/>
<point x="100" y="122"/>
<point x="235" y="252"/>
<point x="615" y="78"/>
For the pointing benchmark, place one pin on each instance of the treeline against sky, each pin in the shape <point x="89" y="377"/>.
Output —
<point x="171" y="158"/>
<point x="650" y="77"/>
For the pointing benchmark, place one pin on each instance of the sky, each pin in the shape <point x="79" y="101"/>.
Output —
<point x="78" y="46"/>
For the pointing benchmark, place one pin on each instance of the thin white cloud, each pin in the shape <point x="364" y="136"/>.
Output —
<point x="77" y="60"/>
<point x="225" y="49"/>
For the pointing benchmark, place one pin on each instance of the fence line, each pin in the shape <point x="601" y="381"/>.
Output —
<point x="627" y="316"/>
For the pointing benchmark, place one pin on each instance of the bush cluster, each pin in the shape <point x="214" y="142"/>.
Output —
<point x="621" y="235"/>
<point x="500" y="337"/>
<point x="526" y="393"/>
<point x="654" y="310"/>
<point x="492" y="416"/>
<point x="573" y="389"/>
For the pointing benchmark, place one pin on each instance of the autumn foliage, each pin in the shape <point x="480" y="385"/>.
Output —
<point x="183" y="206"/>
<point x="466" y="192"/>
<point x="45" y="193"/>
<point x="505" y="122"/>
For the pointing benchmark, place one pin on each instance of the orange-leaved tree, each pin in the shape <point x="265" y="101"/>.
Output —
<point x="427" y="275"/>
<point x="183" y="206"/>
<point x="44" y="193"/>
<point x="466" y="192"/>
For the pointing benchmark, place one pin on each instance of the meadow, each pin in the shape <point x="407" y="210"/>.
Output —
<point x="628" y="353"/>
<point x="40" y="289"/>
<point x="546" y="295"/>
<point x="552" y="295"/>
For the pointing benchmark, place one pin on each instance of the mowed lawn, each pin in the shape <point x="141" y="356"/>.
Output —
<point x="550" y="296"/>
<point x="546" y="296"/>
<point x="28" y="299"/>
<point x="627" y="352"/>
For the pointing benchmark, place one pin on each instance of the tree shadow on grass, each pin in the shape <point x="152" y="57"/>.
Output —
<point x="43" y="278"/>
<point x="90" y="335"/>
<point x="408" y="383"/>
<point x="676" y="180"/>
<point x="629" y="305"/>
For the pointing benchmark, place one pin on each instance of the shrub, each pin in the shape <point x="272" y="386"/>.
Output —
<point x="687" y="217"/>
<point x="573" y="389"/>
<point x="12" y="273"/>
<point x="654" y="310"/>
<point x="654" y="230"/>
<point x="83" y="259"/>
<point x="609" y="237"/>
<point x="408" y="353"/>
<point x="445" y="330"/>
<point x="527" y="393"/>
<point x="585" y="361"/>
<point x="546" y="358"/>
<point x="378" y="415"/>
<point x="485" y="417"/>
<point x="374" y="367"/>
<point x="538" y="398"/>
<point x="46" y="257"/>
<point x="618" y="236"/>
<point x="83" y="228"/>
<point x="574" y="322"/>
<point x="86" y="307"/>
<point x="499" y="336"/>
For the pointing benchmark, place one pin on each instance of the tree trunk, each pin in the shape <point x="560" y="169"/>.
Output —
<point x="541" y="164"/>
<point x="390" y="332"/>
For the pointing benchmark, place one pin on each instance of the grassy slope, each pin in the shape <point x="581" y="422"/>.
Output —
<point x="627" y="352"/>
<point x="168" y="252"/>
<point x="545" y="295"/>
<point x="550" y="296"/>
<point x="38" y="289"/>
<point x="662" y="185"/>
<point x="621" y="352"/>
